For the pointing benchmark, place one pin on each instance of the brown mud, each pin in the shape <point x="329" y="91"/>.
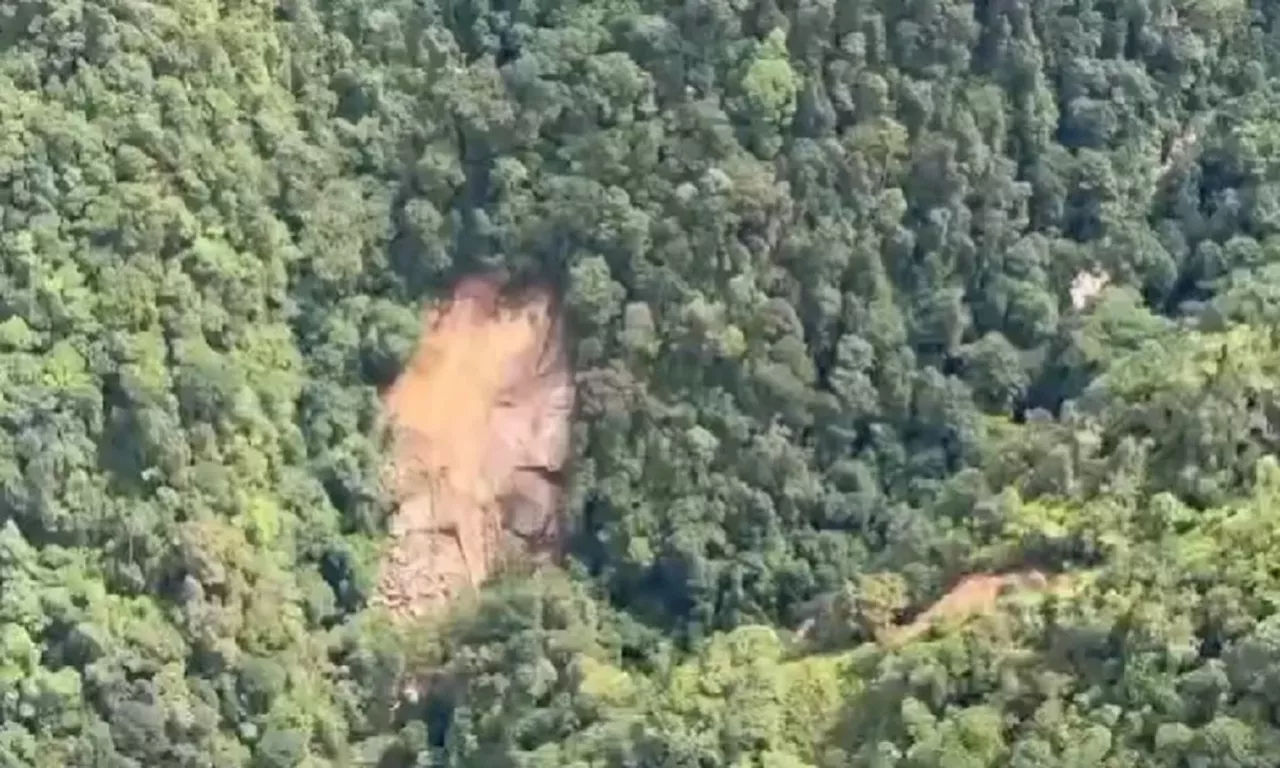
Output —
<point x="977" y="594"/>
<point x="480" y="425"/>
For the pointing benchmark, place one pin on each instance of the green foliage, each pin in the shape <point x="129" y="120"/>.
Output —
<point x="818" y="262"/>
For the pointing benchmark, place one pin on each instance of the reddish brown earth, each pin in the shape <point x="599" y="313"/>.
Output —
<point x="973" y="595"/>
<point x="480" y="419"/>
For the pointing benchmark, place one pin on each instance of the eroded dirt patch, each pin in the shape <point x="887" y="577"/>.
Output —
<point x="480" y="419"/>
<point x="976" y="594"/>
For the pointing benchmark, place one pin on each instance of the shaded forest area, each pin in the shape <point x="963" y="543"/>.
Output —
<point x="817" y="257"/>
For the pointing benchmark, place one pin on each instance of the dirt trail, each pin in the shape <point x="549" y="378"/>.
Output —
<point x="973" y="595"/>
<point x="481" y="424"/>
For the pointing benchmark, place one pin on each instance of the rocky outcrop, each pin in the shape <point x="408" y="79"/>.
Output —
<point x="480" y="419"/>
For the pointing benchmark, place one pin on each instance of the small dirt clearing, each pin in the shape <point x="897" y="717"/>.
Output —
<point x="974" y="595"/>
<point x="480" y="418"/>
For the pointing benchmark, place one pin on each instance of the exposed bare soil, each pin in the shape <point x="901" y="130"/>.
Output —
<point x="480" y="418"/>
<point x="976" y="594"/>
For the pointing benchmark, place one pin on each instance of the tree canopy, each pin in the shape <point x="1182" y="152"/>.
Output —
<point x="817" y="257"/>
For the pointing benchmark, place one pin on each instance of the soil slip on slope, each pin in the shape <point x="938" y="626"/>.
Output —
<point x="481" y="424"/>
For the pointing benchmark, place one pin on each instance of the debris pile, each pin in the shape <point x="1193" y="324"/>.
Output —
<point x="480" y="420"/>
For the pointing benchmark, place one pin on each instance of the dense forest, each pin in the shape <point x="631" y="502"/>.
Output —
<point x="818" y="260"/>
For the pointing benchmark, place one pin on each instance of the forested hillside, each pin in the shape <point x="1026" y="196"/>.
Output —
<point x="817" y="260"/>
